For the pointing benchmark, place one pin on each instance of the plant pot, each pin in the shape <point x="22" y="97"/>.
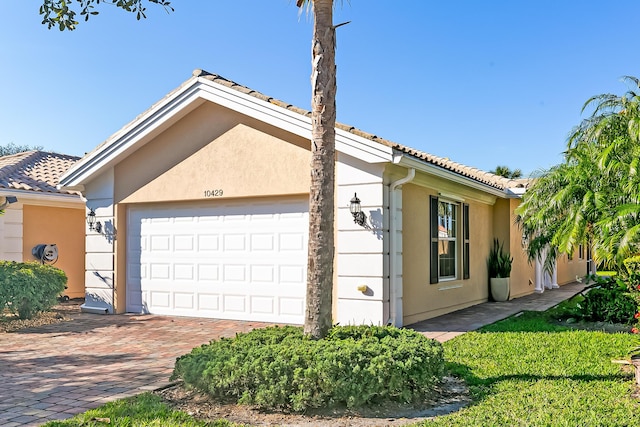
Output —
<point x="500" y="289"/>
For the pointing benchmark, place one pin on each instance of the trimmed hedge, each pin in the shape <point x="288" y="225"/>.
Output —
<point x="27" y="288"/>
<point x="280" y="368"/>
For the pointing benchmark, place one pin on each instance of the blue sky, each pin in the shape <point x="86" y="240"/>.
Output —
<point x="482" y="83"/>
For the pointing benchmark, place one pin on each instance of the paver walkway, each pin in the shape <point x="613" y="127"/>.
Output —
<point x="451" y="325"/>
<point x="57" y="371"/>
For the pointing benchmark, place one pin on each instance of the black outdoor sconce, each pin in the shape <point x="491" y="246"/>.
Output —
<point x="92" y="223"/>
<point x="359" y="217"/>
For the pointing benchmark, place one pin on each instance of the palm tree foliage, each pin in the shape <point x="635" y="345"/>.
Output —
<point x="506" y="172"/>
<point x="594" y="195"/>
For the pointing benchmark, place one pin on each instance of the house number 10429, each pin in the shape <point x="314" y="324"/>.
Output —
<point x="213" y="193"/>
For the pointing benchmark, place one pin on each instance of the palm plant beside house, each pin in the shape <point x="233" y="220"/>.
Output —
<point x="499" y="262"/>
<point x="593" y="195"/>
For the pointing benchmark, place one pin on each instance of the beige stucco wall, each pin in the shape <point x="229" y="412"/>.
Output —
<point x="522" y="280"/>
<point x="422" y="300"/>
<point x="211" y="153"/>
<point x="66" y="228"/>
<point x="570" y="269"/>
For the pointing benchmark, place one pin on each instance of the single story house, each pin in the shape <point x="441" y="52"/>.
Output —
<point x="203" y="206"/>
<point x="37" y="213"/>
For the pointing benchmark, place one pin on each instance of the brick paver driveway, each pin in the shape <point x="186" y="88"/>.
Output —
<point x="56" y="371"/>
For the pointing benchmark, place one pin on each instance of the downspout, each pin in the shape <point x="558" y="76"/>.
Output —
<point x="393" y="250"/>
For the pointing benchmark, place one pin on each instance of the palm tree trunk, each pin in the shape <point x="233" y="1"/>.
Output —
<point x="321" y="194"/>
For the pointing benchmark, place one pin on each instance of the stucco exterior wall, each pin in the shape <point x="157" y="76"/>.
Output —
<point x="422" y="300"/>
<point x="65" y="228"/>
<point x="214" y="153"/>
<point x="569" y="270"/>
<point x="522" y="272"/>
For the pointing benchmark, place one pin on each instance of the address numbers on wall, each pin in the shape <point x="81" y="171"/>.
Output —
<point x="213" y="193"/>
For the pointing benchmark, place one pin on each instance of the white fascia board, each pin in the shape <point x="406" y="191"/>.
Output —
<point x="183" y="100"/>
<point x="192" y="94"/>
<point x="44" y="199"/>
<point x="431" y="169"/>
<point x="362" y="148"/>
<point x="515" y="192"/>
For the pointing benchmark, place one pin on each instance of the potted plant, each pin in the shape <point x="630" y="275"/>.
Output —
<point x="499" y="265"/>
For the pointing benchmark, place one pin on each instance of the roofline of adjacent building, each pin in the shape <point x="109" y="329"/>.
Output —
<point x="41" y="198"/>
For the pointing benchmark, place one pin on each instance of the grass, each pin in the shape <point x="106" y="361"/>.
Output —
<point x="526" y="371"/>
<point x="144" y="410"/>
<point x="523" y="371"/>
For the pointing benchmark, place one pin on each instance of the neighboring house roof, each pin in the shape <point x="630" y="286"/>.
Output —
<point x="36" y="171"/>
<point x="120" y="142"/>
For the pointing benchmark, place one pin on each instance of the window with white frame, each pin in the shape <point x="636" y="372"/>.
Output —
<point x="447" y="240"/>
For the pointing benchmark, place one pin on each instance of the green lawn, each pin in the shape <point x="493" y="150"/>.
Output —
<point x="145" y="410"/>
<point x="527" y="372"/>
<point x="523" y="371"/>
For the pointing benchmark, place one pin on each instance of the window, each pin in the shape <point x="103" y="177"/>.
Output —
<point x="449" y="240"/>
<point x="447" y="236"/>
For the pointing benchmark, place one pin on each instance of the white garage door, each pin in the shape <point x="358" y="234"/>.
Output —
<point x="231" y="261"/>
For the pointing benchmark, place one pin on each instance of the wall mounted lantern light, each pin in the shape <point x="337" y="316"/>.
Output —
<point x="92" y="223"/>
<point x="8" y="200"/>
<point x="359" y="217"/>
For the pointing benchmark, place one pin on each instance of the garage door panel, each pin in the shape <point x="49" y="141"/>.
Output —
<point x="184" y="300"/>
<point x="291" y="306"/>
<point x="160" y="242"/>
<point x="183" y="243"/>
<point x="183" y="272"/>
<point x="208" y="242"/>
<point x="262" y="242"/>
<point x="263" y="274"/>
<point x="208" y="272"/>
<point x="262" y="304"/>
<point x="234" y="242"/>
<point x="242" y="261"/>
<point x="235" y="303"/>
<point x="291" y="274"/>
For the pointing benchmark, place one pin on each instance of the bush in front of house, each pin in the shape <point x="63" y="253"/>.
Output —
<point x="27" y="288"/>
<point x="609" y="301"/>
<point x="280" y="368"/>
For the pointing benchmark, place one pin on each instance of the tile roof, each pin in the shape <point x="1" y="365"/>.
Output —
<point x="35" y="171"/>
<point x="475" y="174"/>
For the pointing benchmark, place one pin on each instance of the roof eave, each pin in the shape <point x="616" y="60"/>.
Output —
<point x="45" y="199"/>
<point x="430" y="168"/>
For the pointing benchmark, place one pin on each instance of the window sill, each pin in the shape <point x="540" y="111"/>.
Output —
<point x="452" y="286"/>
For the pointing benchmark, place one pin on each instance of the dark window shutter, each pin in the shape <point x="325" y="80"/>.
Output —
<point x="433" y="220"/>
<point x="465" y="236"/>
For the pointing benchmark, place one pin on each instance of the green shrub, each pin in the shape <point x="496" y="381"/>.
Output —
<point x="27" y="288"/>
<point x="609" y="305"/>
<point x="280" y="368"/>
<point x="632" y="272"/>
